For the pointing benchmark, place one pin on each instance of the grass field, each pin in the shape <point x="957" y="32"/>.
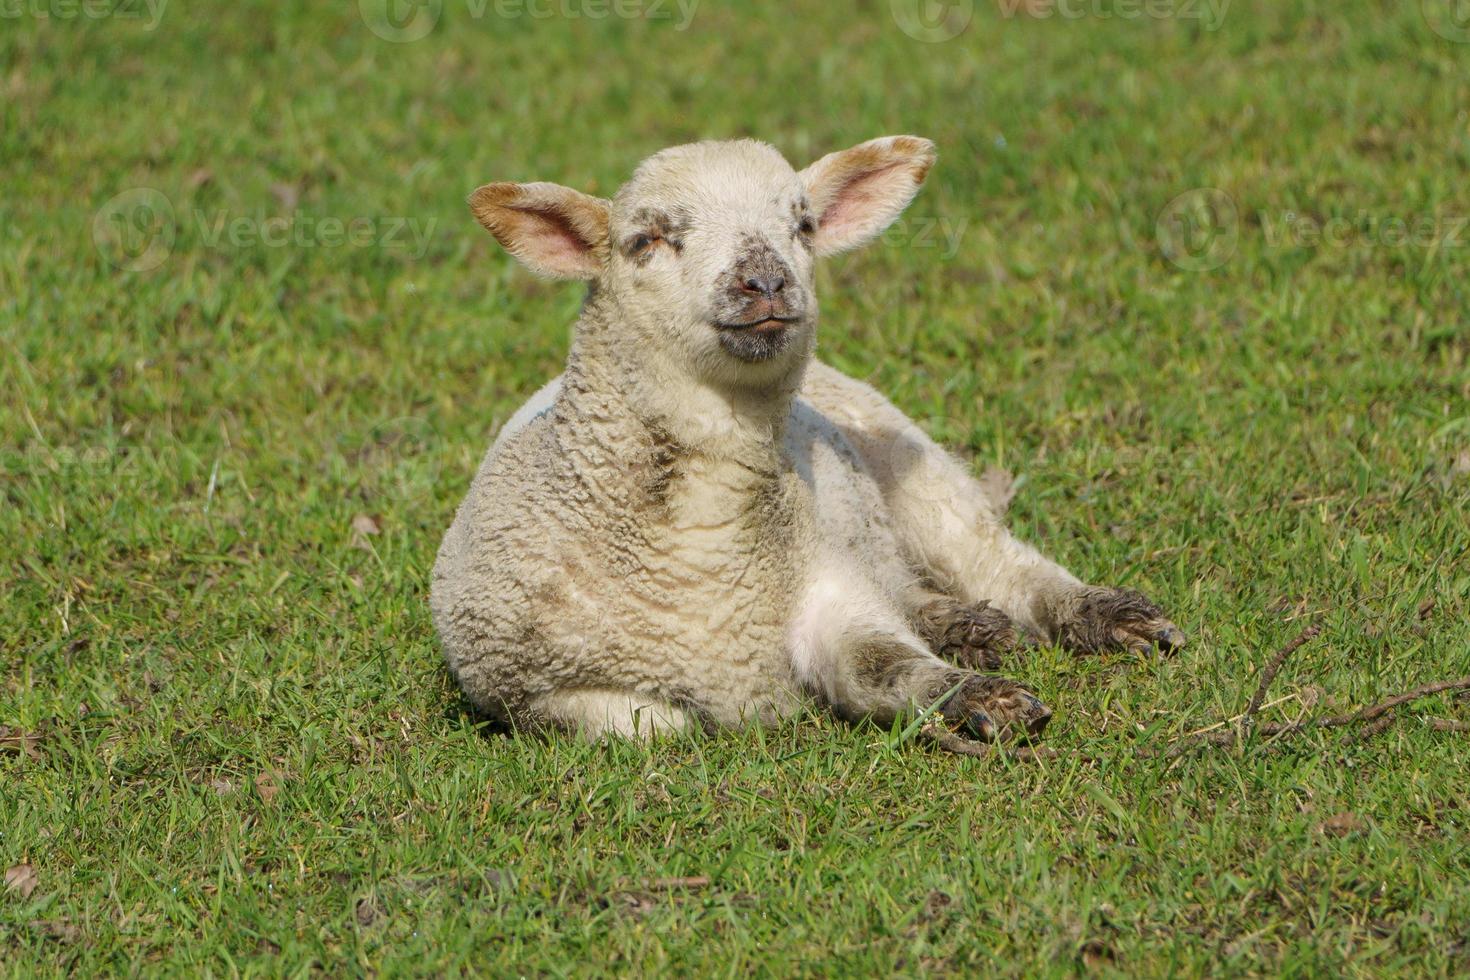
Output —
<point x="1197" y="275"/>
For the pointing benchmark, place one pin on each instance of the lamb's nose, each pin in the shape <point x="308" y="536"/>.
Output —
<point x="768" y="286"/>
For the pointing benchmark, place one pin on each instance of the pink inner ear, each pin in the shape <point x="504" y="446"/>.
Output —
<point x="865" y="198"/>
<point x="557" y="242"/>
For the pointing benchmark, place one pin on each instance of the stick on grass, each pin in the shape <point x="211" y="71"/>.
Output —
<point x="1269" y="674"/>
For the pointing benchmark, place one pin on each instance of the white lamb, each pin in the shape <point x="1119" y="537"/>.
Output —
<point x="698" y="523"/>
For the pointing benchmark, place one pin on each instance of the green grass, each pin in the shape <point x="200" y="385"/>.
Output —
<point x="249" y="757"/>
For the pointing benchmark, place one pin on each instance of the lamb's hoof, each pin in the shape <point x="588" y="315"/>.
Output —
<point x="976" y="635"/>
<point x="988" y="708"/>
<point x="1118" y="619"/>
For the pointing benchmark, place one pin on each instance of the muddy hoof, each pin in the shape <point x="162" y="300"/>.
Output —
<point x="973" y="635"/>
<point x="990" y="708"/>
<point x="1118" y="619"/>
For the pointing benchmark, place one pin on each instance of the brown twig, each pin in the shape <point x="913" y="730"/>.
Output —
<point x="1269" y="674"/>
<point x="1370" y="712"/>
<point x="934" y="731"/>
<point x="681" y="881"/>
<point x="1380" y="715"/>
<point x="1373" y="728"/>
<point x="1447" y="725"/>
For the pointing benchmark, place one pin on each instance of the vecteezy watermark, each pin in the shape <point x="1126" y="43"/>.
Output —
<point x="395" y="458"/>
<point x="921" y="458"/>
<point x="302" y="230"/>
<point x="401" y="21"/>
<point x="151" y="10"/>
<point x="135" y="230"/>
<point x="1211" y="13"/>
<point x="1199" y="229"/>
<point x="1450" y="19"/>
<point x="1427" y="231"/>
<point x="932" y="21"/>
<point x="138" y="230"/>
<point x="927" y="233"/>
<point x="64" y="459"/>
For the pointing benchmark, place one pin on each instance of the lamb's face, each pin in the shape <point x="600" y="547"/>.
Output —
<point x="713" y="242"/>
<point x="707" y="253"/>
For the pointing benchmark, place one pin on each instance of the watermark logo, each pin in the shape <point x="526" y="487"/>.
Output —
<point x="680" y="11"/>
<point x="1450" y="19"/>
<point x="135" y="231"/>
<point x="1198" y="230"/>
<point x="395" y="459"/>
<point x="299" y="229"/>
<point x="932" y="21"/>
<point x="1211" y="13"/>
<point x="138" y="230"/>
<point x="400" y="21"/>
<point x="922" y="459"/>
<point x="150" y="11"/>
<point x="64" y="460"/>
<point x="1422" y="231"/>
<point x="944" y="234"/>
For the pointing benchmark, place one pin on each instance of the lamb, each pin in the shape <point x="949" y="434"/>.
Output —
<point x="699" y="524"/>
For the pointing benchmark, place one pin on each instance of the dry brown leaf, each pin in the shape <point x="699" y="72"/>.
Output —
<point x="365" y="526"/>
<point x="199" y="178"/>
<point x="16" y="740"/>
<point x="21" y="878"/>
<point x="367" y="912"/>
<point x="58" y="929"/>
<point x="1096" y="956"/>
<point x="268" y="786"/>
<point x="1342" y="824"/>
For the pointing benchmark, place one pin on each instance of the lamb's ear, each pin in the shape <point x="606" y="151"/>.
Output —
<point x="855" y="194"/>
<point x="554" y="230"/>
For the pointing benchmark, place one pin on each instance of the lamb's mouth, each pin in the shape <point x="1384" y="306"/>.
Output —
<point x="753" y="341"/>
<point x="767" y="324"/>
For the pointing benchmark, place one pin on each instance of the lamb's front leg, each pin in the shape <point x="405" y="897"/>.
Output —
<point x="852" y="648"/>
<point x="989" y="562"/>
<point x="950" y="526"/>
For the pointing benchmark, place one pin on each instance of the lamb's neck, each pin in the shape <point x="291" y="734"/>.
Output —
<point x="625" y="388"/>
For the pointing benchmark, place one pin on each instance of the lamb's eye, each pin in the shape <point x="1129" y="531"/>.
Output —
<point x="642" y="243"/>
